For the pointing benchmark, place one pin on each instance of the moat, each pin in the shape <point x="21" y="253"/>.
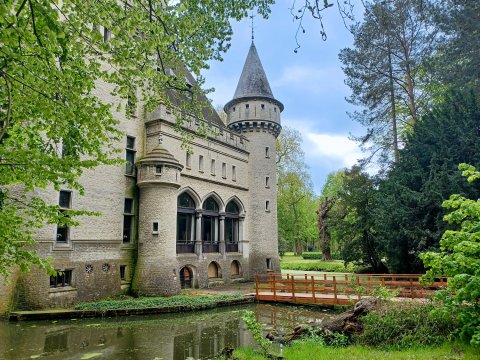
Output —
<point x="199" y="335"/>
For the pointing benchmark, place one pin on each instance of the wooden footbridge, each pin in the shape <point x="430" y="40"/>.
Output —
<point x="339" y="289"/>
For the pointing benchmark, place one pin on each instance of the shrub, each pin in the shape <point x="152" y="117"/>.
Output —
<point x="312" y="255"/>
<point x="194" y="302"/>
<point x="400" y="325"/>
<point x="326" y="266"/>
<point x="459" y="259"/>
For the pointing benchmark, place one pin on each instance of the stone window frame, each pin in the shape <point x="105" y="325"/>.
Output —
<point x="128" y="217"/>
<point x="65" y="277"/>
<point x="130" y="154"/>
<point x="64" y="230"/>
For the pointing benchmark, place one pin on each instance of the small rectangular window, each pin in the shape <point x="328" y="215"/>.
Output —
<point x="263" y="106"/>
<point x="128" y="206"/>
<point x="155" y="228"/>
<point x="65" y="199"/>
<point x="62" y="279"/>
<point x="224" y="170"/>
<point x="247" y="106"/>
<point x="123" y="272"/>
<point x="130" y="142"/>
<point x="267" y="181"/>
<point x="107" y="35"/>
<point x="212" y="167"/>
<point x="158" y="169"/>
<point x="267" y="205"/>
<point x="188" y="161"/>
<point x="200" y="163"/>
<point x="234" y="173"/>
<point x="130" y="156"/>
<point x="128" y="222"/>
<point x="65" y="202"/>
<point x="131" y="104"/>
<point x="267" y="152"/>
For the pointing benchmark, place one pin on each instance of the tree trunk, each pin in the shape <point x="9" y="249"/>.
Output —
<point x="323" y="233"/>
<point x="396" y="154"/>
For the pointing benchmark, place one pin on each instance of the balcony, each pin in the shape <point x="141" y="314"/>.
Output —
<point x="185" y="247"/>
<point x="233" y="247"/>
<point x="210" y="247"/>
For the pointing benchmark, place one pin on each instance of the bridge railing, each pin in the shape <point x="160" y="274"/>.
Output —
<point x="339" y="288"/>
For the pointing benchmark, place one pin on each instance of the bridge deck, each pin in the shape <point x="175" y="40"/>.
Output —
<point x="338" y="289"/>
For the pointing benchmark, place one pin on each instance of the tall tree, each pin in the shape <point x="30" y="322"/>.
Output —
<point x="55" y="57"/>
<point x="408" y="212"/>
<point x="384" y="71"/>
<point x="328" y="208"/>
<point x="295" y="197"/>
<point x="351" y="221"/>
<point x="458" y="60"/>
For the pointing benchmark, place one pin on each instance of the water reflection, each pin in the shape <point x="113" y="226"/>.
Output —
<point x="174" y="336"/>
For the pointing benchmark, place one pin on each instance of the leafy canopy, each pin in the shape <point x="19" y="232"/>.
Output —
<point x="459" y="259"/>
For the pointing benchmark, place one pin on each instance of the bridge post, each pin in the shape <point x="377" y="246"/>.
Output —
<point x="335" y="289"/>
<point x="313" y="290"/>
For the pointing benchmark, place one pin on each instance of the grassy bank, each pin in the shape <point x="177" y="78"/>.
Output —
<point x="191" y="301"/>
<point x="313" y="350"/>
<point x="292" y="262"/>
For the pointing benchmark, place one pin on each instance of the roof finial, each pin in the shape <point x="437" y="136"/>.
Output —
<point x="253" y="35"/>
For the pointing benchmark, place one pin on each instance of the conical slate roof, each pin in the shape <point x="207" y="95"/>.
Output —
<point x="160" y="155"/>
<point x="253" y="81"/>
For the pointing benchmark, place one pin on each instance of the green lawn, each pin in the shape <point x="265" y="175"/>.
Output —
<point x="292" y="262"/>
<point x="192" y="301"/>
<point x="313" y="351"/>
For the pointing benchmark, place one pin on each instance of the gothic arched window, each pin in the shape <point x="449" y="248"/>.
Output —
<point x="185" y="223"/>
<point x="232" y="227"/>
<point x="210" y="225"/>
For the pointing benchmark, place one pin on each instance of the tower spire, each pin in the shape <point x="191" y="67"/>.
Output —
<point x="253" y="34"/>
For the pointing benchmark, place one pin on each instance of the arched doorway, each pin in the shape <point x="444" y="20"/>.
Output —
<point x="186" y="278"/>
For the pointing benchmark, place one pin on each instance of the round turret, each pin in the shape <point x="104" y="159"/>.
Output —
<point x="253" y="105"/>
<point x="158" y="167"/>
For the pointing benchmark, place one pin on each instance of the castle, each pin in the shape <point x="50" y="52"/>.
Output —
<point x="171" y="218"/>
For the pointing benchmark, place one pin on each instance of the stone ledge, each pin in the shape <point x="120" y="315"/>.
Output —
<point x="79" y="314"/>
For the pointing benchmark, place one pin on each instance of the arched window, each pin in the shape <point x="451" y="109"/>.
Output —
<point x="210" y="225"/>
<point x="185" y="223"/>
<point x="232" y="227"/>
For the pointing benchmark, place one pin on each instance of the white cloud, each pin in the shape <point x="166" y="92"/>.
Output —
<point x="333" y="148"/>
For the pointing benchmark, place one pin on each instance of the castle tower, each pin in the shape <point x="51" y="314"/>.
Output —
<point x="158" y="180"/>
<point x="255" y="113"/>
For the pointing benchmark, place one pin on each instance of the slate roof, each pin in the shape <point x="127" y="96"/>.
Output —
<point x="253" y="82"/>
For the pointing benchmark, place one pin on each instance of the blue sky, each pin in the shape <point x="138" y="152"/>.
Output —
<point x="309" y="83"/>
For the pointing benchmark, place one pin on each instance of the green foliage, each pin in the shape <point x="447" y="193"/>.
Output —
<point x="407" y="207"/>
<point x="382" y="293"/>
<point x="351" y="220"/>
<point x="459" y="259"/>
<point x="400" y="325"/>
<point x="54" y="63"/>
<point x="256" y="329"/>
<point x="191" y="301"/>
<point x="391" y="46"/>
<point x="296" y="202"/>
<point x="312" y="255"/>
